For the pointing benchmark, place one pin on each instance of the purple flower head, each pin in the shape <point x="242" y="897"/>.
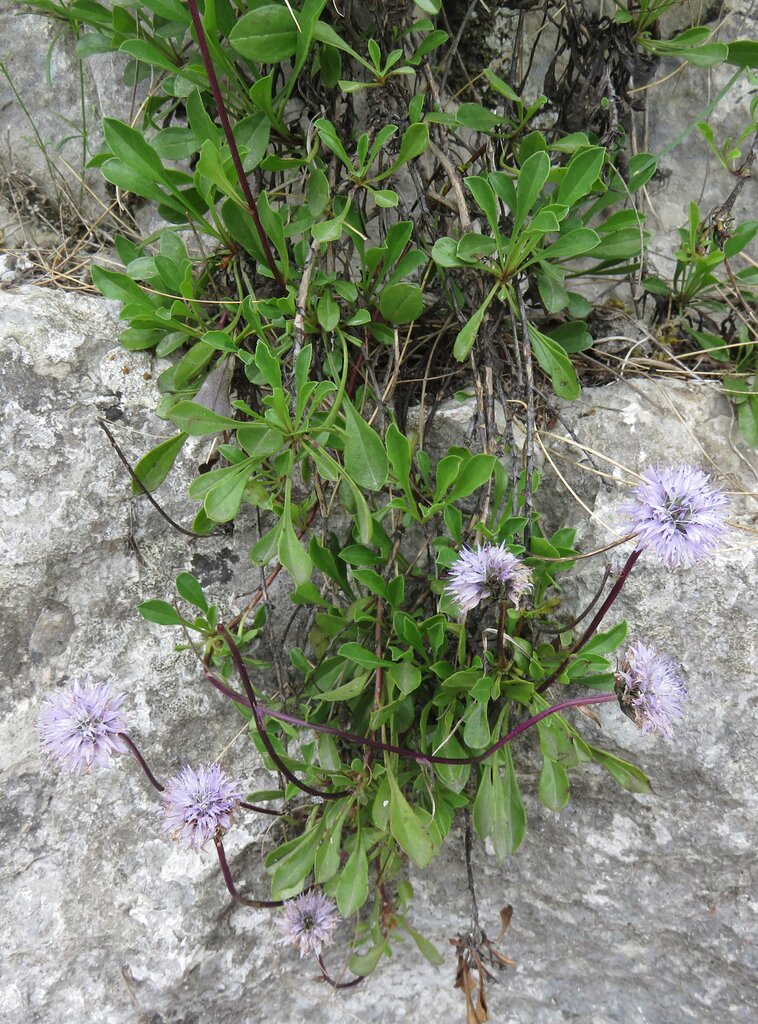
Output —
<point x="80" y="726"/>
<point x="650" y="689"/>
<point x="490" y="571"/>
<point x="308" y="921"/>
<point x="196" y="803"/>
<point x="678" y="514"/>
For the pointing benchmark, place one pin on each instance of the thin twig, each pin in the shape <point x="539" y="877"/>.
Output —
<point x="144" y="490"/>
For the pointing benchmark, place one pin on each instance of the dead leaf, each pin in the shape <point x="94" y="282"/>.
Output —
<point x="506" y="915"/>
<point x="215" y="390"/>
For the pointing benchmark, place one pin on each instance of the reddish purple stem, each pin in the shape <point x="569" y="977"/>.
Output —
<point x="237" y="896"/>
<point x="330" y="980"/>
<point x="202" y="42"/>
<point x="600" y="615"/>
<point x="414" y="755"/>
<point x="258" y="718"/>
<point x="141" y="761"/>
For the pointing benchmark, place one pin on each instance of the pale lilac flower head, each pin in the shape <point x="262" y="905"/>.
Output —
<point x="650" y="689"/>
<point x="678" y="514"/>
<point x="197" y="803"/>
<point x="308" y="921"/>
<point x="488" y="571"/>
<point x="80" y="726"/>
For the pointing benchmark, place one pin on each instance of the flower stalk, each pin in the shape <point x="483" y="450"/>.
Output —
<point x="137" y="754"/>
<point x="414" y="755"/>
<point x="245" y="901"/>
<point x="223" y="116"/>
<point x="258" y="718"/>
<point x="599" y="616"/>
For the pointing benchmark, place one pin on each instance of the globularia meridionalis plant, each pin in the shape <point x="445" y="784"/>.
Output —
<point x="344" y="233"/>
<point x="414" y="689"/>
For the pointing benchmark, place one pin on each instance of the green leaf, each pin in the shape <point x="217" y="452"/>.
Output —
<point x="554" y="785"/>
<point x="407" y="828"/>
<point x="401" y="303"/>
<point x="581" y="174"/>
<point x="223" y="500"/>
<point x="573" y="336"/>
<point x="327" y="312"/>
<point x="627" y="775"/>
<point x="130" y="146"/>
<point x="363" y="964"/>
<point x="743" y="53"/>
<point x="747" y="415"/>
<point x="475" y="473"/>
<point x="352" y="887"/>
<point x="510" y="817"/>
<point x="189" y="588"/>
<point x="466" y="337"/>
<point x="531" y="180"/>
<point x="484" y="804"/>
<point x="445" y="253"/>
<point x="268" y="365"/>
<point x="149" y="53"/>
<point x="197" y="420"/>
<point x="384" y="197"/>
<point x="153" y="468"/>
<point x="642" y="167"/>
<point x="472" y="245"/>
<point x="161" y="612"/>
<point x="348" y="691"/>
<point x="119" y="173"/>
<point x="290" y="870"/>
<point x="742" y="236"/>
<point x="476" y="732"/>
<point x="325" y="34"/>
<point x="399" y="452"/>
<point x="328" y="230"/>
<point x="426" y="948"/>
<point x="485" y="199"/>
<point x="477" y="117"/>
<point x="505" y="188"/>
<point x="328" y="135"/>
<point x="291" y="552"/>
<point x="573" y="243"/>
<point x="267" y="35"/>
<point x="359" y="655"/>
<point x="415" y="141"/>
<point x="554" y="295"/>
<point x="604" y="643"/>
<point x="365" y="458"/>
<point x="317" y="192"/>
<point x="406" y="676"/>
<point x="706" y="56"/>
<point x="259" y="440"/>
<point x="114" y="285"/>
<point x="502" y="87"/>
<point x="192" y="363"/>
<point x="362" y="512"/>
<point x="326" y="861"/>
<point x="210" y="166"/>
<point x="625" y="243"/>
<point x="556" y="363"/>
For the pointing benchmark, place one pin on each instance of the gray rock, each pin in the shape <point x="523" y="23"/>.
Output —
<point x="628" y="909"/>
